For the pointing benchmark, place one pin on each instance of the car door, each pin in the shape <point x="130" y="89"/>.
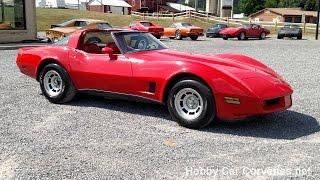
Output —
<point x="93" y="71"/>
<point x="255" y="30"/>
<point x="170" y="31"/>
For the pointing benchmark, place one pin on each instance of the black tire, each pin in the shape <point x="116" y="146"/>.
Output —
<point x="242" y="36"/>
<point x="299" y="36"/>
<point x="209" y="111"/>
<point x="194" y="38"/>
<point x="225" y="38"/>
<point x="171" y="37"/>
<point x="262" y="36"/>
<point x="178" y="35"/>
<point x="68" y="90"/>
<point x="279" y="36"/>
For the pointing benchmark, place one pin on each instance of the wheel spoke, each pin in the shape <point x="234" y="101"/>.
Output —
<point x="188" y="103"/>
<point x="52" y="83"/>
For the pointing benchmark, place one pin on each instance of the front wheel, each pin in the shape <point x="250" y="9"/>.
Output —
<point x="178" y="35"/>
<point x="56" y="84"/>
<point x="194" y="38"/>
<point x="279" y="36"/>
<point x="299" y="36"/>
<point x="242" y="36"/>
<point x="191" y="104"/>
<point x="225" y="38"/>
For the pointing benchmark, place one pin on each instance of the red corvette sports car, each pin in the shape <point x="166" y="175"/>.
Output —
<point x="147" y="26"/>
<point x="135" y="65"/>
<point x="244" y="32"/>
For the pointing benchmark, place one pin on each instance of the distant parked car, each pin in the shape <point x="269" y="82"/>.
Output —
<point x="147" y="26"/>
<point x="59" y="31"/>
<point x="182" y="30"/>
<point x="244" y="32"/>
<point x="214" y="30"/>
<point x="290" y="30"/>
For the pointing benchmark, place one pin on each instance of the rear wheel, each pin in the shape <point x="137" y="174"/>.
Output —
<point x="55" y="84"/>
<point x="262" y="35"/>
<point x="194" y="38"/>
<point x="191" y="104"/>
<point x="299" y="36"/>
<point x="225" y="38"/>
<point x="178" y="35"/>
<point x="242" y="36"/>
<point x="279" y="36"/>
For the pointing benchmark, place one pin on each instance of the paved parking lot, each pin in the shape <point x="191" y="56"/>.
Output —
<point x="96" y="138"/>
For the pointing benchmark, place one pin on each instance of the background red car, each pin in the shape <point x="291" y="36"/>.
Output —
<point x="197" y="89"/>
<point x="147" y="26"/>
<point x="244" y="32"/>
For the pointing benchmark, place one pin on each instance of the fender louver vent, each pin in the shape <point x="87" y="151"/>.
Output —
<point x="152" y="87"/>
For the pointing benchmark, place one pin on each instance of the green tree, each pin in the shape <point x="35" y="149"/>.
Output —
<point x="250" y="6"/>
<point x="271" y="3"/>
<point x="310" y="5"/>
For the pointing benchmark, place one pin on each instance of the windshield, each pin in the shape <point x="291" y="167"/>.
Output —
<point x="186" y="24"/>
<point x="104" y="26"/>
<point x="146" y="24"/>
<point x="292" y="26"/>
<point x="246" y="26"/>
<point x="219" y="26"/>
<point x="130" y="42"/>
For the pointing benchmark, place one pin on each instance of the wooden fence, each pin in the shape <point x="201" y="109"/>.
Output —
<point x="206" y="17"/>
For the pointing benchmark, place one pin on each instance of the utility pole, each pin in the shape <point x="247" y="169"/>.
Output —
<point x="318" y="19"/>
<point x="78" y="4"/>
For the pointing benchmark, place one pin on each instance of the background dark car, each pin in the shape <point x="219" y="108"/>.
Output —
<point x="290" y="30"/>
<point x="215" y="29"/>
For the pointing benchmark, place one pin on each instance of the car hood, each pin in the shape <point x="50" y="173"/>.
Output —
<point x="229" y="30"/>
<point x="250" y="73"/>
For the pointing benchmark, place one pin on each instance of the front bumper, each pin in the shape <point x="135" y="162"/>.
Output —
<point x="250" y="106"/>
<point x="288" y="35"/>
<point x="212" y="34"/>
<point x="228" y="35"/>
<point x="194" y="34"/>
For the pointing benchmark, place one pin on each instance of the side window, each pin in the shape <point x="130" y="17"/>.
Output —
<point x="132" y="24"/>
<point x="173" y="26"/>
<point x="80" y="23"/>
<point x="93" y="42"/>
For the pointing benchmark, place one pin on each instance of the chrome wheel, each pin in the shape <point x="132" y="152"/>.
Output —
<point x="188" y="103"/>
<point x="242" y="36"/>
<point x="263" y="35"/>
<point x="178" y="35"/>
<point x="52" y="83"/>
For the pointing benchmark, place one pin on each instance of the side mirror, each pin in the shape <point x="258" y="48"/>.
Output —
<point x="109" y="51"/>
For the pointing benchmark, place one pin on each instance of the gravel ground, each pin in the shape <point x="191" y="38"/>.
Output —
<point x="94" y="138"/>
